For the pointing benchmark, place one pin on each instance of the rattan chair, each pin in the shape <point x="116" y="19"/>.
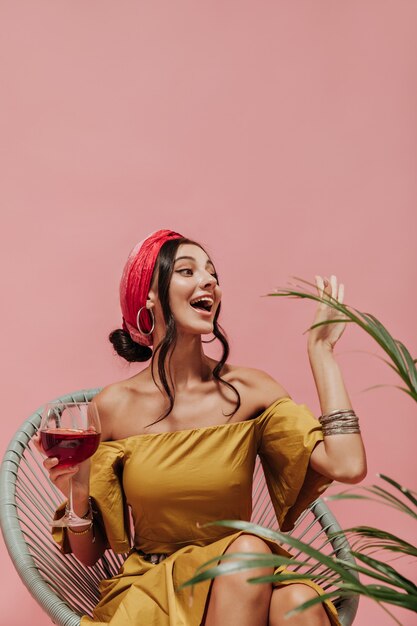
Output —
<point x="64" y="587"/>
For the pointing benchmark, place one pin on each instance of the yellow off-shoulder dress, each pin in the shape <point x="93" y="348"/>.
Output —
<point x="174" y="480"/>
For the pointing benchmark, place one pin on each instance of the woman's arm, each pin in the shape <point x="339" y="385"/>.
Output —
<point x="87" y="542"/>
<point x="340" y="457"/>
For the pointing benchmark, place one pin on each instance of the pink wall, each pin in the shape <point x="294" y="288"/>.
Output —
<point x="280" y="134"/>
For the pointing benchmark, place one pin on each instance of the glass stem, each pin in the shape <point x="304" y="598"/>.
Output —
<point x="71" y="513"/>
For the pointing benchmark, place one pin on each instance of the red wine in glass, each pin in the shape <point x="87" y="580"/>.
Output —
<point x="69" y="446"/>
<point x="70" y="431"/>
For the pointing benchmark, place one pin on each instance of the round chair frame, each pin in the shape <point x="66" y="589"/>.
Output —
<point x="65" y="588"/>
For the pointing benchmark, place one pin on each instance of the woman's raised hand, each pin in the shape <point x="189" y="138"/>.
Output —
<point x="328" y="334"/>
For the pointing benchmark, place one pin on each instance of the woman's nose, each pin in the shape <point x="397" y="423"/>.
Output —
<point x="208" y="280"/>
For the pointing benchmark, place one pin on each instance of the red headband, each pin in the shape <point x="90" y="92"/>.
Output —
<point x="136" y="282"/>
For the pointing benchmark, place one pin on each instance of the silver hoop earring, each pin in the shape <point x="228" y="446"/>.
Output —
<point x="138" y="321"/>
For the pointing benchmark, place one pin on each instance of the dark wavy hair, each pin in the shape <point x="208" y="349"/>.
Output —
<point x="135" y="352"/>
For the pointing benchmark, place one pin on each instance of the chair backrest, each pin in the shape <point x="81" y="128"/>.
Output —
<point x="64" y="587"/>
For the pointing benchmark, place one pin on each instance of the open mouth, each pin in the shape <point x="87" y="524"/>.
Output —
<point x="202" y="304"/>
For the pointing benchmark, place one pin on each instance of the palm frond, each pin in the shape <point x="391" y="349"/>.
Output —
<point x="392" y="588"/>
<point x="382" y="496"/>
<point x="400" y="359"/>
<point x="408" y="493"/>
<point x="384" y="385"/>
<point x="367" y="537"/>
<point x="391" y="573"/>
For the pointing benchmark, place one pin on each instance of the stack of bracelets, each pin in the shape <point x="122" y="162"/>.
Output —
<point x="339" y="422"/>
<point x="89" y="517"/>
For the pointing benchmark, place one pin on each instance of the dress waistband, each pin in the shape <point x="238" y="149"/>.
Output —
<point x="152" y="558"/>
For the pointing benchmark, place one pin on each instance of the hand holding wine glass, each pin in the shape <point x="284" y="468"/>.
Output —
<point x="70" y="433"/>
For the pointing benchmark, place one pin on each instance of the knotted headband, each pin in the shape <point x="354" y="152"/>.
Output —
<point x="136" y="281"/>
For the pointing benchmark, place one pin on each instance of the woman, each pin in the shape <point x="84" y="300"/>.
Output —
<point x="179" y="442"/>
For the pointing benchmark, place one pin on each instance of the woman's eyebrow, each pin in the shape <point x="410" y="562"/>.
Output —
<point x="191" y="258"/>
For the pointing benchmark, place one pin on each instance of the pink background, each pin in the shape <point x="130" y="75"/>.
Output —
<point x="282" y="135"/>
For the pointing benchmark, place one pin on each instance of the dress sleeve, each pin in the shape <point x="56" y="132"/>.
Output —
<point x="108" y="499"/>
<point x="287" y="434"/>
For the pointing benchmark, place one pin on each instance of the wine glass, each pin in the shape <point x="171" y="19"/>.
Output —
<point x="70" y="431"/>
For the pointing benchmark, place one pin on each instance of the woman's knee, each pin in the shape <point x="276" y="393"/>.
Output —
<point x="297" y="593"/>
<point x="289" y="597"/>
<point x="249" y="543"/>
<point x="253" y="599"/>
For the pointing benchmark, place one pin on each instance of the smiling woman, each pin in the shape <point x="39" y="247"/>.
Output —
<point x="180" y="296"/>
<point x="179" y="445"/>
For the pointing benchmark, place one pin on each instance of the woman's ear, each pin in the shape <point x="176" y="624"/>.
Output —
<point x="153" y="292"/>
<point x="150" y="300"/>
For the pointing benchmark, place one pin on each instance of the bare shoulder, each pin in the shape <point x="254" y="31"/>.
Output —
<point x="261" y="387"/>
<point x="112" y="402"/>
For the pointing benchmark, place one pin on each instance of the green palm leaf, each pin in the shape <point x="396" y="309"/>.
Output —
<point x="401" y="361"/>
<point x="377" y="539"/>
<point x="392" y="574"/>
<point x="340" y="576"/>
<point x="383" y="496"/>
<point x="411" y="495"/>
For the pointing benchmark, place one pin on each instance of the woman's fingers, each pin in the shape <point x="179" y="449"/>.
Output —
<point x="338" y="291"/>
<point x="69" y="472"/>
<point x="49" y="463"/>
<point x="56" y="472"/>
<point x="341" y="293"/>
<point x="320" y="285"/>
<point x="330" y="287"/>
<point x="333" y="286"/>
<point x="60" y="476"/>
<point x="324" y="288"/>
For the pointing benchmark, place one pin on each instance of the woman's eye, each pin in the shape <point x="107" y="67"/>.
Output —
<point x="189" y="272"/>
